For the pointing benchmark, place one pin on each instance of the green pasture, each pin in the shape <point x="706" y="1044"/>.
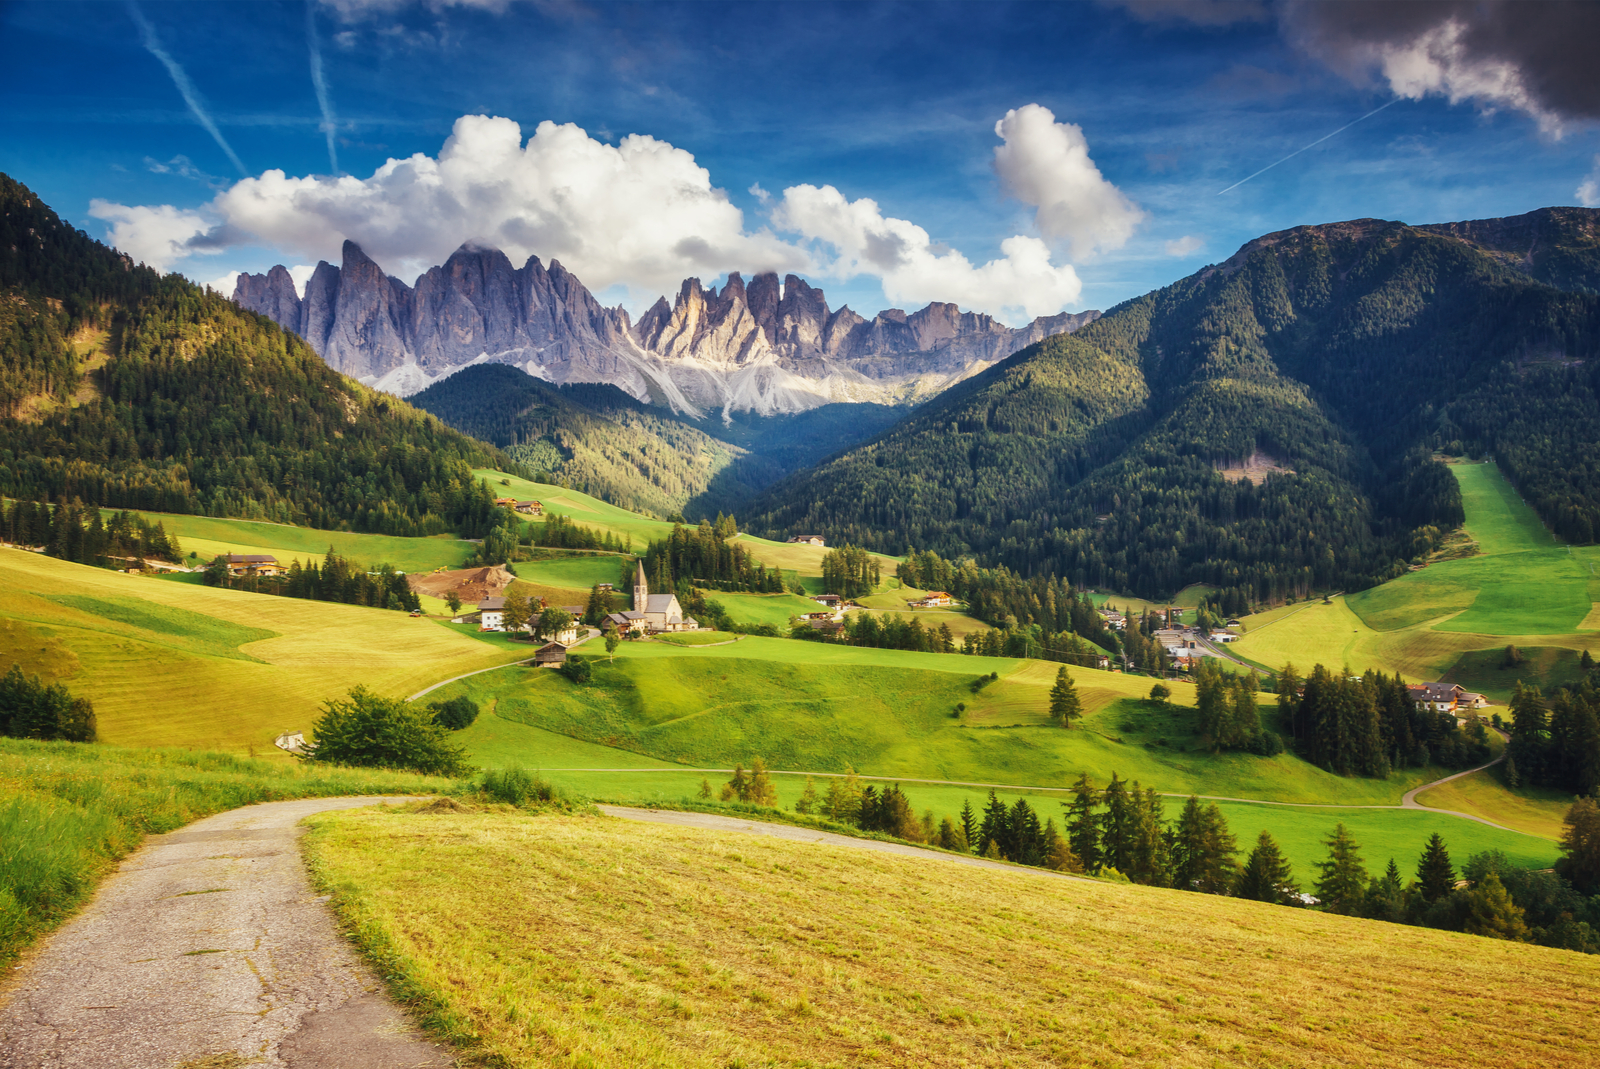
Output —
<point x="698" y="638"/>
<point x="892" y="716"/>
<point x="581" y="508"/>
<point x="577" y="573"/>
<point x="774" y="609"/>
<point x="208" y="537"/>
<point x="635" y="778"/>
<point x="1547" y="667"/>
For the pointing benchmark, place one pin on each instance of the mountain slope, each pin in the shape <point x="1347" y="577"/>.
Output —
<point x="767" y="348"/>
<point x="599" y="440"/>
<point x="1335" y="357"/>
<point x="181" y="402"/>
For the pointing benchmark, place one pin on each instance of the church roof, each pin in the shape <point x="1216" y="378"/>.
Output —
<point x="638" y="577"/>
<point x="661" y="603"/>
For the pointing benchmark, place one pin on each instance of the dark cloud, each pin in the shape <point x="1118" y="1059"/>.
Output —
<point x="1546" y="49"/>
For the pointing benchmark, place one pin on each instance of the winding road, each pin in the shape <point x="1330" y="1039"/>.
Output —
<point x="209" y="947"/>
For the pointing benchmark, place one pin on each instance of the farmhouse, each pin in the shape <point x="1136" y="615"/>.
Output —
<point x="252" y="564"/>
<point x="627" y="622"/>
<point x="1223" y="636"/>
<point x="492" y="614"/>
<point x="529" y="508"/>
<point x="1114" y="620"/>
<point x="830" y="600"/>
<point x="807" y="540"/>
<point x="661" y="611"/>
<point x="550" y="655"/>
<point x="505" y="502"/>
<point x="1440" y="697"/>
<point x="934" y="599"/>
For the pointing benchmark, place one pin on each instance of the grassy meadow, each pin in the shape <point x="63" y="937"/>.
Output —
<point x="178" y="664"/>
<point x="1451" y="619"/>
<point x="571" y="940"/>
<point x="208" y="537"/>
<point x="69" y="810"/>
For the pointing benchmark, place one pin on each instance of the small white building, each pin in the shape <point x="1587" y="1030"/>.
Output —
<point x="492" y="614"/>
<point x="807" y="540"/>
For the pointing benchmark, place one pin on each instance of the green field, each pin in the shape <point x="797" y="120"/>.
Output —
<point x="577" y="573"/>
<point x="774" y="609"/>
<point x="209" y="537"/>
<point x="1521" y="589"/>
<point x="581" y="508"/>
<point x="544" y="939"/>
<point x="175" y="664"/>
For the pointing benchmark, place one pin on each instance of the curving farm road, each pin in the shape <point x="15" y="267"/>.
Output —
<point x="208" y="947"/>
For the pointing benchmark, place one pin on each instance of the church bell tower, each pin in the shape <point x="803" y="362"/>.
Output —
<point x="641" y="590"/>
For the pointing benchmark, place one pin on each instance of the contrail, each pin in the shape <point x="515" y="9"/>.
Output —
<point x="191" y="95"/>
<point x="1313" y="144"/>
<point x="329" y="122"/>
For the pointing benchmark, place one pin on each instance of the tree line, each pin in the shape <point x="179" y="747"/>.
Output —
<point x="704" y="555"/>
<point x="82" y="535"/>
<point x="337" y="579"/>
<point x="1556" y="743"/>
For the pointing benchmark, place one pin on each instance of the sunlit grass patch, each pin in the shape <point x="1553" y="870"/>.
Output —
<point x="540" y="940"/>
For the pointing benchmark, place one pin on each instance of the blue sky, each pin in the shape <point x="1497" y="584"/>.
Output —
<point x="896" y="104"/>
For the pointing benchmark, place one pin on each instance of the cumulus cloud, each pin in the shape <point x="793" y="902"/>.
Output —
<point x="641" y="213"/>
<point x="1046" y="164"/>
<point x="159" y="236"/>
<point x="1588" y="192"/>
<point x="1187" y="245"/>
<point x="1534" y="58"/>
<point x="863" y="241"/>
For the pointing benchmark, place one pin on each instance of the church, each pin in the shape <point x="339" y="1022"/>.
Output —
<point x="652" y="612"/>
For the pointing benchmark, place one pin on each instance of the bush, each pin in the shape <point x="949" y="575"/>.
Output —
<point x="513" y="786"/>
<point x="455" y="714"/>
<point x="576" y="669"/>
<point x="1267" y="744"/>
<point x="31" y="710"/>
<point x="368" y="731"/>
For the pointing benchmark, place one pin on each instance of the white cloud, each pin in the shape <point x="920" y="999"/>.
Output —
<point x="301" y="273"/>
<point x="1187" y="245"/>
<point x="758" y="193"/>
<point x="900" y="253"/>
<point x="158" y="236"/>
<point x="1438" y="62"/>
<point x="1046" y="164"/>
<point x="641" y="214"/>
<point x="226" y="284"/>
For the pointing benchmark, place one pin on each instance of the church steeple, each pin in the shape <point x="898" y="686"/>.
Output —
<point x="641" y="590"/>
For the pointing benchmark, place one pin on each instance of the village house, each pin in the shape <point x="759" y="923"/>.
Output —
<point x="1440" y="697"/>
<point x="550" y="655"/>
<point x="807" y="540"/>
<point x="505" y="502"/>
<point x="934" y="600"/>
<point x="1114" y="620"/>
<point x="830" y="600"/>
<point x="627" y="623"/>
<point x="529" y="508"/>
<point x="1223" y="636"/>
<point x="240" y="564"/>
<point x="492" y="614"/>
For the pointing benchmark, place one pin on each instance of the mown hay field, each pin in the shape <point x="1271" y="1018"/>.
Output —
<point x="176" y="664"/>
<point x="569" y="940"/>
<point x="208" y="537"/>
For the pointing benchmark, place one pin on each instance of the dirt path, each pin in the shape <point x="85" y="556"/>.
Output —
<point x="206" y="943"/>
<point x="714" y="822"/>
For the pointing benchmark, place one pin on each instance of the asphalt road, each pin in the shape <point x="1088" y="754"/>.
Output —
<point x="208" y="941"/>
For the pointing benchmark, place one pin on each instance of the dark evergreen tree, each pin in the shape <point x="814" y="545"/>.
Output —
<point x="1436" y="876"/>
<point x="1267" y="875"/>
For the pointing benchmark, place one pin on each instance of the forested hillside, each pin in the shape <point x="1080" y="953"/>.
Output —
<point x="121" y="388"/>
<point x="597" y="439"/>
<point x="1327" y="362"/>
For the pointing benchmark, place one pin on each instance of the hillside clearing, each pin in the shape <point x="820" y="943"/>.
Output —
<point x="580" y="940"/>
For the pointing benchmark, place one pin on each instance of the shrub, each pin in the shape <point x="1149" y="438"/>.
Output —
<point x="576" y="669"/>
<point x="369" y="731"/>
<point x="455" y="714"/>
<point x="514" y="786"/>
<point x="29" y="709"/>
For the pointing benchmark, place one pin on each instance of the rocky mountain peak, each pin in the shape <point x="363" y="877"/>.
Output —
<point x="765" y="345"/>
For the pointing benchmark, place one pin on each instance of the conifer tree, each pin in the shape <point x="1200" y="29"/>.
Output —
<point x="1058" y="850"/>
<point x="762" y="791"/>
<point x="1491" y="911"/>
<point x="1343" y="879"/>
<point x="1386" y="900"/>
<point x="993" y="830"/>
<point x="1203" y="850"/>
<point x="738" y="786"/>
<point x="1267" y="875"/>
<point x="705" y="788"/>
<point x="1083" y="823"/>
<point x="1117" y="827"/>
<point x="1436" y="877"/>
<point x="1580" y="846"/>
<point x="807" y="802"/>
<point x="1065" y="705"/>
<point x="969" y="827"/>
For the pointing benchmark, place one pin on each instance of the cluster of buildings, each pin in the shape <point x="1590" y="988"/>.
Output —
<point x="527" y="508"/>
<point x="1446" y="698"/>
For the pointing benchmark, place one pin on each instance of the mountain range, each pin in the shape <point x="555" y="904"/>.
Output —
<point x="761" y="347"/>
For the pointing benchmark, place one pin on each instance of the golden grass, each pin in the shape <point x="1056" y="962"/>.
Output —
<point x="173" y="685"/>
<point x="586" y="941"/>
<point x="1482" y="794"/>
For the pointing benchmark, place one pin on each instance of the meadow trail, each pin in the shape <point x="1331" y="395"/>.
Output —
<point x="715" y="822"/>
<point x="208" y="943"/>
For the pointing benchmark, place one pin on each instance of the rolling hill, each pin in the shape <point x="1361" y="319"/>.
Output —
<point x="1264" y="426"/>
